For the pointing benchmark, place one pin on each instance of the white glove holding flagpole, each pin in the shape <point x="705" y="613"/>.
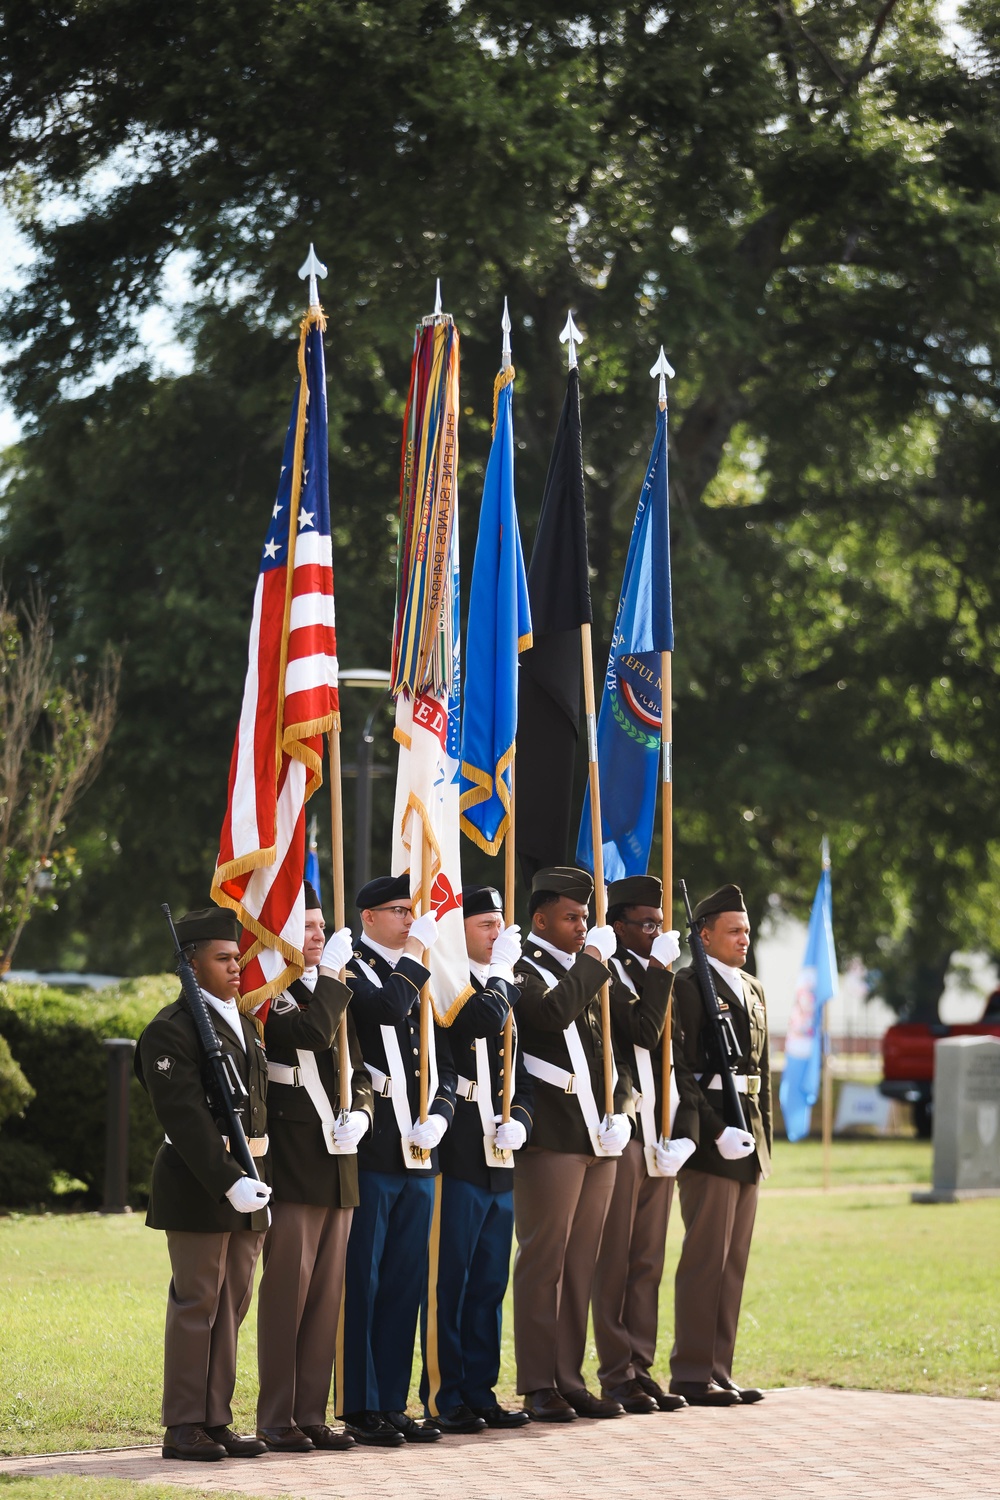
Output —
<point x="511" y="1135"/>
<point x="506" y="952"/>
<point x="348" y="1133"/>
<point x="425" y="1136"/>
<point x="666" y="948"/>
<point x="247" y="1195"/>
<point x="614" y="1134"/>
<point x="671" y="1155"/>
<point x="424" y="930"/>
<point x="604" y="940"/>
<point x="338" y="950"/>
<point x="734" y="1144"/>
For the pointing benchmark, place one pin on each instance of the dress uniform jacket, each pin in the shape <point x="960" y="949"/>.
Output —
<point x="637" y="1020"/>
<point x="396" y="1004"/>
<point x="193" y="1168"/>
<point x="482" y="1017"/>
<point x="749" y="1018"/>
<point x="303" y="1170"/>
<point x="543" y="1015"/>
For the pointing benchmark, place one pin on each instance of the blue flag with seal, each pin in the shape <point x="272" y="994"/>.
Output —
<point x="817" y="984"/>
<point x="499" y="628"/>
<point x="628" y="726"/>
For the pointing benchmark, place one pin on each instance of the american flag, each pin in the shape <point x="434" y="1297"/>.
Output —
<point x="290" y="700"/>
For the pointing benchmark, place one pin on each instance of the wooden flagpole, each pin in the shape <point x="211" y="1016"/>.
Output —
<point x="339" y="903"/>
<point x="508" y="906"/>
<point x="425" y="993"/>
<point x="597" y="836"/>
<point x="666" y="871"/>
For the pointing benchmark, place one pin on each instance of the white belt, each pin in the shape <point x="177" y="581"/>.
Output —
<point x="381" y="1082"/>
<point x="549" y="1073"/>
<point x="467" y="1089"/>
<point x="282" y="1073"/>
<point x="745" y="1083"/>
<point x="258" y="1144"/>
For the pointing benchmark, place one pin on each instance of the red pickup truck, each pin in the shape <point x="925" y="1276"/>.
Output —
<point x="908" y="1059"/>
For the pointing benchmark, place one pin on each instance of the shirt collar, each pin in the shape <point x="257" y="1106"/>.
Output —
<point x="638" y="958"/>
<point x="566" y="959"/>
<point x="480" y="971"/>
<point x="228" y="1011"/>
<point x="309" y="977"/>
<point x="391" y="955"/>
<point x="733" y="977"/>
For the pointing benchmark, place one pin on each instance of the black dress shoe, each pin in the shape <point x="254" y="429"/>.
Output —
<point x="372" y="1430"/>
<point x="587" y="1405"/>
<point x="498" y="1416"/>
<point x="704" y="1393"/>
<point x="413" y="1432"/>
<point x="193" y="1442"/>
<point x="329" y="1438"/>
<point x="659" y="1395"/>
<point x="547" y="1405"/>
<point x="748" y="1394"/>
<point x="285" y="1439"/>
<point x="235" y="1446"/>
<point x="457" y="1420"/>
<point x="632" y="1399"/>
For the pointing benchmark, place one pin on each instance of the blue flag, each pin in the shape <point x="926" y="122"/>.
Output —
<point x="817" y="984"/>
<point x="628" y="727"/>
<point x="312" y="860"/>
<point x="499" y="627"/>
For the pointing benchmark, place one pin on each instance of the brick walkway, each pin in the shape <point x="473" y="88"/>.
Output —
<point x="851" y="1445"/>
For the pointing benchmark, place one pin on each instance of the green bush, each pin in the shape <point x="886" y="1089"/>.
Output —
<point x="15" y="1090"/>
<point x="25" y="1174"/>
<point x="57" y="1038"/>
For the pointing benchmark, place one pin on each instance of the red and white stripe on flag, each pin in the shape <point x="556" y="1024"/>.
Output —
<point x="290" y="701"/>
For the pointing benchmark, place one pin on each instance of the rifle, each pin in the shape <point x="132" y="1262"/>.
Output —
<point x="224" y="1079"/>
<point x="723" y="1048"/>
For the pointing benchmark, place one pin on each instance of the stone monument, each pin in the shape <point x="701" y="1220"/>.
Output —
<point x="966" y="1120"/>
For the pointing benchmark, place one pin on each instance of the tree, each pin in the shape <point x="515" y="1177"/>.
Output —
<point x="51" y="742"/>
<point x="800" y="202"/>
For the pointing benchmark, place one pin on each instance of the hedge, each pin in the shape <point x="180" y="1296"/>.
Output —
<point x="57" y="1040"/>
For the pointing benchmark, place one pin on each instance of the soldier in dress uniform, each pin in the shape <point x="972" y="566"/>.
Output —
<point x="564" y="1180"/>
<point x="214" y="1215"/>
<point x="719" y="1185"/>
<point x="630" y="1263"/>
<point x="474" y="1215"/>
<point x="315" y="1193"/>
<point x="397" y="1164"/>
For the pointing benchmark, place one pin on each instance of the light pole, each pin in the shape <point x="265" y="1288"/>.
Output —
<point x="364" y="677"/>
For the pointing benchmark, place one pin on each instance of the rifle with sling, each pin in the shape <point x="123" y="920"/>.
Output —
<point x="225" y="1083"/>
<point x="723" y="1049"/>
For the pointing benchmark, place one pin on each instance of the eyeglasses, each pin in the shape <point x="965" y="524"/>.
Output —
<point x="643" y="926"/>
<point x="395" y="911"/>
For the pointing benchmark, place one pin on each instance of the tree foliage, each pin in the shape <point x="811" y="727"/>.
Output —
<point x="799" y="200"/>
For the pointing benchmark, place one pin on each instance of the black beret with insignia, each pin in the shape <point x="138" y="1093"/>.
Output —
<point x="726" y="898"/>
<point x="211" y="924"/>
<point x="382" y="890"/>
<point x="564" y="880"/>
<point x="481" y="899"/>
<point x="636" y="890"/>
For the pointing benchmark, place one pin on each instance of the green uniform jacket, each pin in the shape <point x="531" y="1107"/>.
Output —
<point x="637" y="1020"/>
<point x="542" y="1016"/>
<point x="750" y="1025"/>
<point x="193" y="1169"/>
<point x="304" y="1170"/>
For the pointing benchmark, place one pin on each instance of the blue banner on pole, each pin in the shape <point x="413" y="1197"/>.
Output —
<point x="818" y="983"/>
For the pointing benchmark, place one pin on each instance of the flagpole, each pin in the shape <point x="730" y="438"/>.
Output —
<point x="660" y="371"/>
<point x="826" y="1091"/>
<point x="339" y="902"/>
<point x="510" y="864"/>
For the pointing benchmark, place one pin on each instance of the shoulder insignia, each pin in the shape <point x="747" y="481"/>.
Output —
<point x="164" y="1066"/>
<point x="520" y="978"/>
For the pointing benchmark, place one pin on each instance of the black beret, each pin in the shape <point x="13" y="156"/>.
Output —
<point x="564" y="880"/>
<point x="212" y="924"/>
<point x="636" y="890"/>
<point x="382" y="890"/>
<point x="726" y="898"/>
<point x="313" y="903"/>
<point x="480" y="899"/>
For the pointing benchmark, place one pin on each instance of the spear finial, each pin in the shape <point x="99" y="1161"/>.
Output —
<point x="505" y="324"/>
<point x="437" y="297"/>
<point x="312" y="267"/>
<point x="662" y="370"/>
<point x="572" y="336"/>
<point x="825" y="852"/>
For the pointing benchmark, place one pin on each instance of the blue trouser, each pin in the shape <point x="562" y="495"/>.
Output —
<point x="384" y="1284"/>
<point x="460" y="1321"/>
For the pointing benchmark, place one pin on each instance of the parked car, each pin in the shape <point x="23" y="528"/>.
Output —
<point x="908" y="1059"/>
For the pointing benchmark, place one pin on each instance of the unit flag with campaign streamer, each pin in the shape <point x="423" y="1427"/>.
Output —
<point x="426" y="659"/>
<point x="290" y="701"/>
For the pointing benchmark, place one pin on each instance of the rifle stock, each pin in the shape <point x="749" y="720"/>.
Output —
<point x="224" y="1082"/>
<point x="722" y="1040"/>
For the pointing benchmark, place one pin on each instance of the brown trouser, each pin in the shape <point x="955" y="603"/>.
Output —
<point x="718" y="1219"/>
<point x="560" y="1203"/>
<point x="210" y="1291"/>
<point x="298" y="1307"/>
<point x="629" y="1268"/>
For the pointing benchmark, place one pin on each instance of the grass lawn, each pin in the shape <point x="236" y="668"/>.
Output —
<point x="854" y="1288"/>
<point x="70" y="1487"/>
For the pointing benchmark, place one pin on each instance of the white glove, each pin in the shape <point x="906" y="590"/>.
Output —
<point x="734" y="1144"/>
<point x="425" y="930"/>
<point x="666" y="948"/>
<point x="506" y="952"/>
<point x="338" y="950"/>
<point x="349" y="1132"/>
<point x="510" y="1136"/>
<point x="247" y="1195"/>
<point x="614" y="1134"/>
<point x="604" y="940"/>
<point x="428" y="1135"/>
<point x="671" y="1155"/>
